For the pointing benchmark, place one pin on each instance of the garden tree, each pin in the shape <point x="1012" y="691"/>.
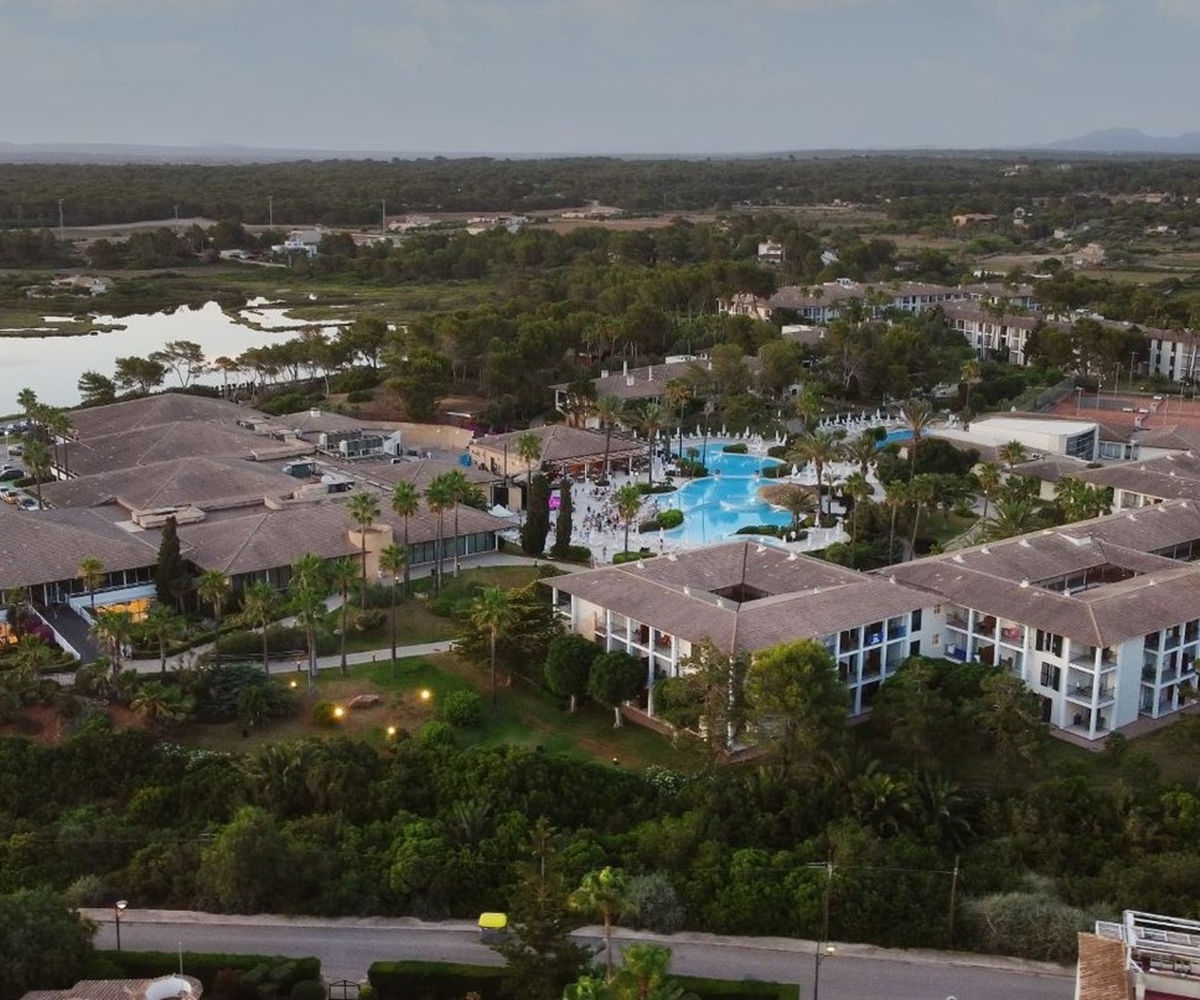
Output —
<point x="615" y="678"/>
<point x="568" y="666"/>
<point x="1079" y="501"/>
<point x="628" y="502"/>
<point x="44" y="944"/>
<point x="259" y="603"/>
<point x="917" y="417"/>
<point x="212" y="588"/>
<point x="779" y="366"/>
<point x="307" y="590"/>
<point x="421" y="377"/>
<point x="247" y="866"/>
<point x="342" y="575"/>
<point x="393" y="560"/>
<point x="363" y="508"/>
<point x="580" y="398"/>
<point x="708" y="696"/>
<point x="1013" y="516"/>
<point x="37" y="461"/>
<point x="920" y="493"/>
<point x="859" y="491"/>
<point x="678" y="393"/>
<point x="406" y="502"/>
<point x="939" y="811"/>
<point x="649" y="418"/>
<point x="602" y="895"/>
<point x="139" y="375"/>
<point x="820" y="448"/>
<point x="529" y="451"/>
<point x="970" y="373"/>
<point x="91" y="574"/>
<point x="987" y="475"/>
<point x="914" y="712"/>
<point x="795" y="701"/>
<point x="183" y="357"/>
<point x="608" y="409"/>
<point x="161" y="706"/>
<point x="1012" y="454"/>
<point x="163" y="625"/>
<point x="491" y="612"/>
<point x="461" y="491"/>
<point x="95" y="389"/>
<point x="563" y="525"/>
<point x="1010" y="714"/>
<point x="863" y="451"/>
<point x="540" y="957"/>
<point x="171" y="576"/>
<point x="113" y="629"/>
<point x="537" y="517"/>
<point x="439" y="498"/>
<point x="797" y="500"/>
<point x="520" y="649"/>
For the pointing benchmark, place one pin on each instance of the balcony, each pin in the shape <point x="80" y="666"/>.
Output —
<point x="896" y="632"/>
<point x="1084" y="658"/>
<point x="599" y="626"/>
<point x="958" y="620"/>
<point x="956" y="652"/>
<point x="1012" y="635"/>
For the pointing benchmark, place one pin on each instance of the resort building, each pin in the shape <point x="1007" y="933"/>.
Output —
<point x="1145" y="956"/>
<point x="565" y="451"/>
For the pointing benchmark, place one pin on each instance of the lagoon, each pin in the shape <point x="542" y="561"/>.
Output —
<point x="51" y="365"/>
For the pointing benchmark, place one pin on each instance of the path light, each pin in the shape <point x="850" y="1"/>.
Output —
<point x="118" y="906"/>
<point x="292" y="685"/>
<point x="391" y="732"/>
<point x="426" y="694"/>
<point x="338" y="712"/>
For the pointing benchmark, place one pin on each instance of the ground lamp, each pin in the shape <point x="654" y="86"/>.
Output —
<point x="118" y="906"/>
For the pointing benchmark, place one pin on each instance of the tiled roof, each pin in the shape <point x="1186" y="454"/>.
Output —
<point x="1171" y="477"/>
<point x="419" y="472"/>
<point x="561" y="443"/>
<point x="154" y="411"/>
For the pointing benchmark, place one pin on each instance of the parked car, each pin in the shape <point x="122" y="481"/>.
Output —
<point x="16" y="449"/>
<point x="9" y="494"/>
<point x="27" y="503"/>
<point x="11" y="475"/>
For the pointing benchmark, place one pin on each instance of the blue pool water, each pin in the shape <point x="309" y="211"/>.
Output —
<point x="717" y="505"/>
<point x="898" y="436"/>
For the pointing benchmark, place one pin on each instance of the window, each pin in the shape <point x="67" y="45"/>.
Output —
<point x="916" y="620"/>
<point x="1051" y="676"/>
<point x="1048" y="642"/>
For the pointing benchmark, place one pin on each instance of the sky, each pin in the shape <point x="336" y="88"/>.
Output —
<point x="594" y="76"/>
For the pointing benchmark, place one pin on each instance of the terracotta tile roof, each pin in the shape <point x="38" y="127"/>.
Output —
<point x="561" y="443"/>
<point x="420" y="472"/>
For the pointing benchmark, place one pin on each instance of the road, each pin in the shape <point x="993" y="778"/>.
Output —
<point x="348" y="946"/>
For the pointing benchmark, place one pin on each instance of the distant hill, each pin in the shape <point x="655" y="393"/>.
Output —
<point x="1128" y="140"/>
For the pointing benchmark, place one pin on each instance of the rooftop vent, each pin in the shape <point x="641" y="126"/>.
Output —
<point x="1024" y="583"/>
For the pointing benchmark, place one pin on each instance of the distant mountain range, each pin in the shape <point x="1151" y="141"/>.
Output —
<point x="1128" y="140"/>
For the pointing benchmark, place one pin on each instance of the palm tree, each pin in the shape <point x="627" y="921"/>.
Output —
<point x="37" y="461"/>
<point x="392" y="560"/>
<point x="987" y="474"/>
<point x="342" y="574"/>
<point x="678" y="393"/>
<point x="971" y="372"/>
<point x="162" y="625"/>
<point x="1014" y="516"/>
<point x="58" y="426"/>
<point x="529" y="451"/>
<point x="307" y="590"/>
<point x="895" y="496"/>
<point x="363" y="508"/>
<point x="460" y="491"/>
<point x="603" y="894"/>
<point x="863" y="451"/>
<point x="819" y="447"/>
<point x="113" y="629"/>
<point x="608" y="410"/>
<point x="439" y="497"/>
<point x="920" y="494"/>
<point x="650" y="419"/>
<point x="159" y="705"/>
<point x="1012" y="453"/>
<point x="797" y="500"/>
<point x="259" y="601"/>
<point x="628" y="501"/>
<point x="406" y="501"/>
<point x="918" y="418"/>
<point x="91" y="572"/>
<point x="213" y="588"/>
<point x="493" y="612"/>
<point x="858" y="490"/>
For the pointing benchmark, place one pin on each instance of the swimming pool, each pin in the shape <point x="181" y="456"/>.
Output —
<point x="717" y="505"/>
<point x="901" y="435"/>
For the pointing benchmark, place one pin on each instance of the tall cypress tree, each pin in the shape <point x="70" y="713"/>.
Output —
<point x="171" y="576"/>
<point x="563" y="526"/>
<point x="537" y="517"/>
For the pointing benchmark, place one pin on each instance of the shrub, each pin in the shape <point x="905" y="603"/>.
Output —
<point x="736" y="449"/>
<point x="775" y="471"/>
<point x="691" y="468"/>
<point x="462" y="709"/>
<point x="670" y="519"/>
<point x="430" y="980"/>
<point x="369" y="620"/>
<point x="1029" y="925"/>
<point x="436" y="734"/>
<point x="578" y="554"/>
<point x="308" y="989"/>
<point x="778" y="451"/>
<point x="624" y="557"/>
<point x="87" y="890"/>
<point x="646" y="490"/>
<point x="264" y="971"/>
<point x="653" y="904"/>
<point x="220" y="692"/>
<point x="360" y="396"/>
<point x="324" y="714"/>
<point x="356" y="380"/>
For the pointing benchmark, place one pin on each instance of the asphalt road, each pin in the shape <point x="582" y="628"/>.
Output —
<point x="348" y="947"/>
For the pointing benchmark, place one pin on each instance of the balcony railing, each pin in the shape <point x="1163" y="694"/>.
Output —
<point x="897" y="631"/>
<point x="872" y="639"/>
<point x="957" y="621"/>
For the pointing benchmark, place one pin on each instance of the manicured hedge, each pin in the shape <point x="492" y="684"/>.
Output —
<point x="282" y="972"/>
<point x="624" y="557"/>
<point x="735" y="449"/>
<point x="728" y="989"/>
<point x="434" y="980"/>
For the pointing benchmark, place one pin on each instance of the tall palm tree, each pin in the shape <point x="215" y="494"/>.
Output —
<point x="363" y="508"/>
<point x="797" y="500"/>
<point x="608" y="410"/>
<point x="342" y="574"/>
<point x="971" y="372"/>
<point x="918" y="418"/>
<point x="27" y="400"/>
<point x="493" y="612"/>
<point x="58" y="426"/>
<point x="529" y="451"/>
<point x="987" y="474"/>
<point x="162" y="625"/>
<point x="259" y="602"/>
<point x="392" y="560"/>
<point x="1012" y="453"/>
<point x="307" y="590"/>
<point x="113" y="630"/>
<point x="858" y="490"/>
<point x="37" y="461"/>
<point x="460" y="491"/>
<point x="603" y="894"/>
<point x="895" y="496"/>
<point x="406" y="501"/>
<point x="863" y="451"/>
<point x="628" y="501"/>
<point x="439" y="497"/>
<point x="213" y="589"/>
<point x="920" y="495"/>
<point x="678" y="393"/>
<point x="650" y="419"/>
<point x="91" y="573"/>
<point x="820" y="447"/>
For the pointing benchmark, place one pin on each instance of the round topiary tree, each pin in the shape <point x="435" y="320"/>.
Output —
<point x="462" y="709"/>
<point x="568" y="666"/>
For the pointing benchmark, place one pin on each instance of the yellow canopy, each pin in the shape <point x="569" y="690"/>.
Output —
<point x="493" y="921"/>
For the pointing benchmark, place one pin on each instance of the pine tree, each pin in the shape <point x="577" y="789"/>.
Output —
<point x="563" y="526"/>
<point x="171" y="577"/>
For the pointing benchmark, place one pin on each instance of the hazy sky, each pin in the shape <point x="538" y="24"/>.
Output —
<point x="594" y="75"/>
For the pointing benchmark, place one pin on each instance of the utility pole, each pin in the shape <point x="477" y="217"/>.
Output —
<point x="824" y="950"/>
<point x="953" y="901"/>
